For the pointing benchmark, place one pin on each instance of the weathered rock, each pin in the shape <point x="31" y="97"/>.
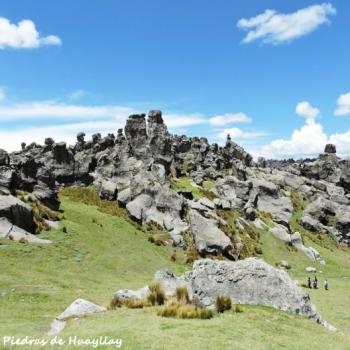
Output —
<point x="78" y="308"/>
<point x="15" y="233"/>
<point x="249" y="281"/>
<point x="17" y="212"/>
<point x="209" y="239"/>
<point x="128" y="294"/>
<point x="330" y="148"/>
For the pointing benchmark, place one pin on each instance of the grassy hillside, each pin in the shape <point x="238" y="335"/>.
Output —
<point x="101" y="253"/>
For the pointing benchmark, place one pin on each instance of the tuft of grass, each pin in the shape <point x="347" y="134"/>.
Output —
<point x="223" y="303"/>
<point x="247" y="238"/>
<point x="238" y="308"/>
<point x="182" y="296"/>
<point x="115" y="303"/>
<point x="157" y="295"/>
<point x="191" y="251"/>
<point x="184" y="311"/>
<point x="136" y="303"/>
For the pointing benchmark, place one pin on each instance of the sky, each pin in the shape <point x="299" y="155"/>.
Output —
<point x="273" y="74"/>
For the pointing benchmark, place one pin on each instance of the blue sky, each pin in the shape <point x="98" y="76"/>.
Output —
<point x="87" y="64"/>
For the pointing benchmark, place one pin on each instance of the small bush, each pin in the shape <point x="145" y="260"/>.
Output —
<point x="64" y="229"/>
<point x="157" y="295"/>
<point x="182" y="295"/>
<point x="223" y="303"/>
<point x="238" y="308"/>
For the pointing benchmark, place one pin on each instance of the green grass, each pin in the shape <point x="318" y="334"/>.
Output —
<point x="186" y="183"/>
<point x="101" y="253"/>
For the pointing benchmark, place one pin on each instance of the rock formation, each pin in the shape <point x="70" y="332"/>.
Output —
<point x="136" y="168"/>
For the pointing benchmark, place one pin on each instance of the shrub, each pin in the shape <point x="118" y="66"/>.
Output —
<point x="223" y="303"/>
<point x="238" y="308"/>
<point x="157" y="295"/>
<point x="182" y="295"/>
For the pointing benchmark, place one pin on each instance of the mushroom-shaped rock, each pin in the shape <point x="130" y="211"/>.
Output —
<point x="330" y="148"/>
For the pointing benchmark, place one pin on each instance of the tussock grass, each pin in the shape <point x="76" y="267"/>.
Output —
<point x="182" y="296"/>
<point x="184" y="311"/>
<point x="223" y="303"/>
<point x="157" y="295"/>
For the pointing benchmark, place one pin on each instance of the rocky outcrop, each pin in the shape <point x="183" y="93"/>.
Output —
<point x="135" y="167"/>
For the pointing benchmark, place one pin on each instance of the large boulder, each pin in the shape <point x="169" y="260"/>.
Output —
<point x="208" y="238"/>
<point x="78" y="308"/>
<point x="15" y="233"/>
<point x="250" y="281"/>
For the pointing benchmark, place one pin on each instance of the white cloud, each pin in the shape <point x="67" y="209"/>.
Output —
<point x="2" y="94"/>
<point x="229" y="118"/>
<point x="68" y="119"/>
<point x="76" y="95"/>
<point x="24" y="35"/>
<point x="238" y="134"/>
<point x="308" y="141"/>
<point x="304" y="142"/>
<point x="179" y="120"/>
<point x="343" y="105"/>
<point x="276" y="28"/>
<point x="55" y="110"/>
<point x="304" y="109"/>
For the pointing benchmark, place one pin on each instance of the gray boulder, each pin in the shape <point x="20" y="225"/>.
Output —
<point x="208" y="238"/>
<point x="78" y="308"/>
<point x="249" y="281"/>
<point x="128" y="294"/>
<point x="15" y="233"/>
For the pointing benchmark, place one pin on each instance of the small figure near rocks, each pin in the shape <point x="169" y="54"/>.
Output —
<point x="315" y="283"/>
<point x="326" y="284"/>
<point x="309" y="282"/>
<point x="23" y="146"/>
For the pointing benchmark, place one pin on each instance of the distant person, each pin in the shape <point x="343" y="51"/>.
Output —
<point x="309" y="282"/>
<point x="315" y="282"/>
<point x="326" y="284"/>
